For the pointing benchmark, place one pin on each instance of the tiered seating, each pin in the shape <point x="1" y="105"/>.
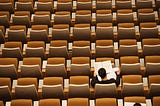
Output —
<point x="48" y="49"/>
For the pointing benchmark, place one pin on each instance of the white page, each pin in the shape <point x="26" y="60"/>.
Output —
<point x="132" y="103"/>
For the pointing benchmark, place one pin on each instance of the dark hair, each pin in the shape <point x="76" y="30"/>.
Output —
<point x="137" y="104"/>
<point x="102" y="72"/>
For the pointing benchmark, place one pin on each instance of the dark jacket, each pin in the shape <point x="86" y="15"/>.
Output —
<point x="95" y="80"/>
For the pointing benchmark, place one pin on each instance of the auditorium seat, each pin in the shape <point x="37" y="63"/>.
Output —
<point x="42" y="18"/>
<point x="128" y="47"/>
<point x="104" y="16"/>
<point x="135" y="99"/>
<point x="78" y="102"/>
<point x="62" y="17"/>
<point x="39" y="33"/>
<point x="79" y="91"/>
<point x="7" y="5"/>
<point x="83" y="16"/>
<point x="49" y="102"/>
<point x="56" y="67"/>
<point x="79" y="80"/>
<point x="151" y="46"/>
<point x="17" y="33"/>
<point x="2" y="34"/>
<point x="155" y="101"/>
<point x="123" y="4"/>
<point x="5" y="89"/>
<point x="104" y="48"/>
<point x="104" y="31"/>
<point x="61" y="32"/>
<point x="126" y="31"/>
<point x="154" y="85"/>
<point x="29" y="85"/>
<point x="83" y="46"/>
<point x="140" y="4"/>
<point x="13" y="50"/>
<point x="82" y="32"/>
<point x="130" y="65"/>
<point x="35" y="49"/>
<point x="31" y="67"/>
<point x="45" y="5"/>
<point x="149" y="30"/>
<point x="1" y="103"/>
<point x="22" y="18"/>
<point x="5" y="18"/>
<point x="125" y="16"/>
<point x="103" y="4"/>
<point x="52" y="87"/>
<point x="84" y="5"/>
<point x="131" y="79"/>
<point x="21" y="102"/>
<point x="64" y="5"/>
<point x="146" y="15"/>
<point x="25" y="5"/>
<point x="106" y="102"/>
<point x="105" y="90"/>
<point x="58" y="48"/>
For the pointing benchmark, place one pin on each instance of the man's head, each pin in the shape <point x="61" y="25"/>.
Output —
<point x="102" y="73"/>
<point x="137" y="104"/>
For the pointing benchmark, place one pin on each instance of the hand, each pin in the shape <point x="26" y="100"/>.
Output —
<point x="118" y="72"/>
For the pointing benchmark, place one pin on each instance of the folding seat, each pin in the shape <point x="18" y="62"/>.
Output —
<point x="42" y="18"/>
<point x="45" y="5"/>
<point x="22" y="18"/>
<point x="140" y="4"/>
<point x="64" y="5"/>
<point x="130" y="65"/>
<point x="7" y="5"/>
<point x="105" y="91"/>
<point x="79" y="91"/>
<point x="106" y="102"/>
<point x="151" y="46"/>
<point x="35" y="49"/>
<point x="2" y="34"/>
<point x="5" y="18"/>
<point x="29" y="85"/>
<point x="5" y="89"/>
<point x="61" y="32"/>
<point x="53" y="87"/>
<point x="132" y="89"/>
<point x="131" y="79"/>
<point x="62" y="17"/>
<point x="78" y="102"/>
<point x="152" y="64"/>
<point x="56" y="67"/>
<point x="25" y="5"/>
<point x="1" y="103"/>
<point x="81" y="32"/>
<point x="79" y="80"/>
<point x="84" y="5"/>
<point x="134" y="99"/>
<point x="21" y="102"/>
<point x="80" y="66"/>
<point x="49" y="102"/>
<point x="126" y="31"/>
<point x="123" y="4"/>
<point x="155" y="101"/>
<point x="148" y="30"/>
<point x="157" y="4"/>
<point x="146" y="15"/>
<point x="83" y="46"/>
<point x="58" y="48"/>
<point x="31" y="67"/>
<point x="8" y="67"/>
<point x="104" y="16"/>
<point x="12" y="50"/>
<point x="104" y="31"/>
<point x="39" y="33"/>
<point x="125" y="16"/>
<point x="154" y="85"/>
<point x="17" y="33"/>
<point x="103" y="4"/>
<point x="83" y="16"/>
<point x="104" y="48"/>
<point x="128" y="47"/>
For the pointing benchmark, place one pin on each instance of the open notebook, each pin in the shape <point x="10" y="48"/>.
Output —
<point x="107" y="65"/>
<point x="132" y="104"/>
